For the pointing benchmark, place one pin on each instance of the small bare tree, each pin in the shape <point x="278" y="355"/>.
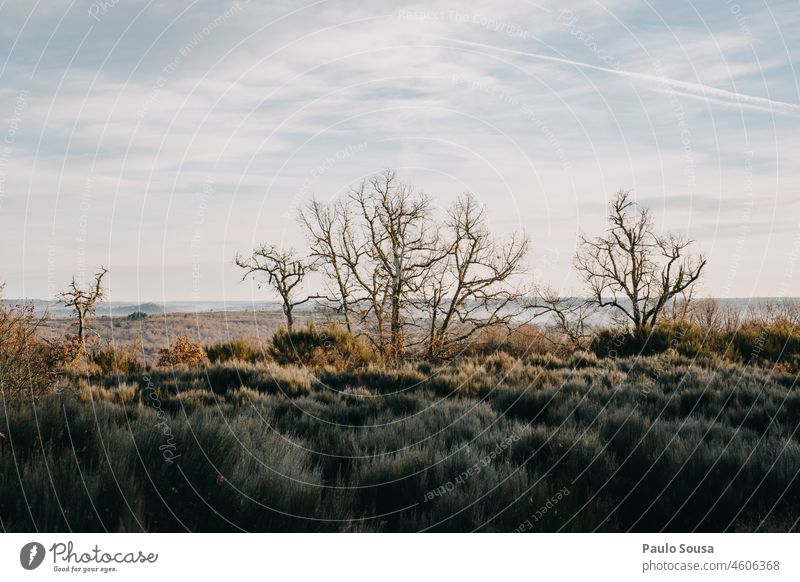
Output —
<point x="634" y="270"/>
<point x="82" y="301"/>
<point x="281" y="270"/>
<point x="469" y="287"/>
<point x="569" y="317"/>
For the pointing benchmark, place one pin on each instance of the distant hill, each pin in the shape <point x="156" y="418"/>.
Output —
<point x="124" y="308"/>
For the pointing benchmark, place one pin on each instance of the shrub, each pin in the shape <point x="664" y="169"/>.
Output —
<point x="236" y="349"/>
<point x="683" y="337"/>
<point x="182" y="351"/>
<point x="773" y="341"/>
<point x="776" y="340"/>
<point x="123" y="394"/>
<point x="521" y="341"/>
<point x="668" y="446"/>
<point x="114" y="359"/>
<point x="331" y="346"/>
<point x="28" y="364"/>
<point x="137" y="316"/>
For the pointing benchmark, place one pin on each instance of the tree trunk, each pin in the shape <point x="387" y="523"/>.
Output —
<point x="287" y="310"/>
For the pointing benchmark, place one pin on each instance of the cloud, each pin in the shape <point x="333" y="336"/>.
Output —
<point x="155" y="101"/>
<point x="696" y="90"/>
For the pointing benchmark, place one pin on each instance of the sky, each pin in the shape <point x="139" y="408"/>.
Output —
<point x="159" y="138"/>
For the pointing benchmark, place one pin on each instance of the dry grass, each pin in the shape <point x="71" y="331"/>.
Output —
<point x="158" y="332"/>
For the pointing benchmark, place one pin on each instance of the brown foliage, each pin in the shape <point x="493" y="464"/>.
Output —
<point x="28" y="364"/>
<point x="182" y="351"/>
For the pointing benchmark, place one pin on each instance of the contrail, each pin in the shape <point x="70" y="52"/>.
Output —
<point x="697" y="90"/>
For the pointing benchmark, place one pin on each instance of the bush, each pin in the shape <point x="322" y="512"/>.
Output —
<point x="114" y="359"/>
<point x="236" y="349"/>
<point x="182" y="351"/>
<point x="28" y="364"/>
<point x="331" y="346"/>
<point x="757" y="340"/>
<point x="774" y="341"/>
<point x="137" y="316"/>
<point x="649" y="444"/>
<point x="520" y="342"/>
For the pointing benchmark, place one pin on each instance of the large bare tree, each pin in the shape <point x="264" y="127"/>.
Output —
<point x="329" y="232"/>
<point x="404" y="279"/>
<point x="280" y="269"/>
<point x="633" y="269"/>
<point x="378" y="244"/>
<point x="470" y="285"/>
<point x="83" y="302"/>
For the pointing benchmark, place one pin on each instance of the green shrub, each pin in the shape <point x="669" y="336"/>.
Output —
<point x="235" y="349"/>
<point x="755" y="341"/>
<point x="313" y="346"/>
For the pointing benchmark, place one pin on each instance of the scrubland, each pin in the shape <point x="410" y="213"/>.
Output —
<point x="690" y="429"/>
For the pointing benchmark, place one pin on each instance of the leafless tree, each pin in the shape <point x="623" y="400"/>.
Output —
<point x="329" y="231"/>
<point x="280" y="269"/>
<point x="569" y="316"/>
<point x="470" y="285"/>
<point x="632" y="269"/>
<point x="391" y="246"/>
<point x="82" y="301"/>
<point x="708" y="314"/>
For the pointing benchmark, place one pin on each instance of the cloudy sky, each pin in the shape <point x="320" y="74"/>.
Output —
<point x="158" y="138"/>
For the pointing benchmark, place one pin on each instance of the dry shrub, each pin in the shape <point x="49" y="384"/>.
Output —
<point x="28" y="364"/>
<point x="245" y="396"/>
<point x="118" y="359"/>
<point x="328" y="346"/>
<point x="182" y="351"/>
<point x="518" y="342"/>
<point x="289" y="380"/>
<point x="236" y="349"/>
<point x="70" y="353"/>
<point x="124" y="394"/>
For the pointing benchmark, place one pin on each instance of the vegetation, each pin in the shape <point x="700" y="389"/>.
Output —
<point x="28" y="364"/>
<point x="236" y="349"/>
<point x="314" y="346"/>
<point x="182" y="351"/>
<point x="83" y="301"/>
<point x="401" y="277"/>
<point x="632" y="269"/>
<point x="641" y="444"/>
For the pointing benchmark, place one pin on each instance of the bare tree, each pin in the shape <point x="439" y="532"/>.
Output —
<point x="329" y="231"/>
<point x="569" y="316"/>
<point x="634" y="270"/>
<point x="82" y="301"/>
<point x="282" y="270"/>
<point x="708" y="314"/>
<point x="389" y="251"/>
<point x="469" y="287"/>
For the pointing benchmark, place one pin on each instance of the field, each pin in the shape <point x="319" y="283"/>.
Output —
<point x="541" y="442"/>
<point x="158" y="331"/>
